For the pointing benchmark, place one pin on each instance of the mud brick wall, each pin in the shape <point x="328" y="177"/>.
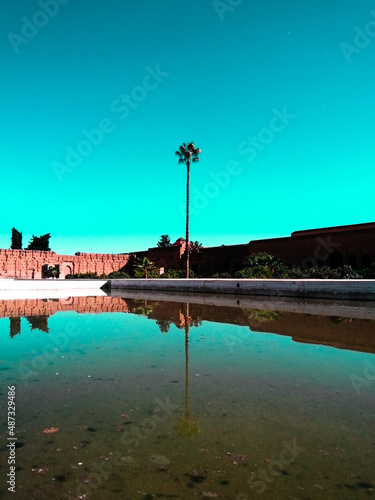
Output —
<point x="29" y="263"/>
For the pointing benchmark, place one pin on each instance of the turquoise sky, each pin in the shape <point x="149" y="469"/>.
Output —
<point x="97" y="96"/>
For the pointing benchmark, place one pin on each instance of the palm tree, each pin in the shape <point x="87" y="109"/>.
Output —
<point x="145" y="264"/>
<point x="186" y="154"/>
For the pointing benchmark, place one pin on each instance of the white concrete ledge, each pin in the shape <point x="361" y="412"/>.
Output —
<point x="313" y="288"/>
<point x="49" y="288"/>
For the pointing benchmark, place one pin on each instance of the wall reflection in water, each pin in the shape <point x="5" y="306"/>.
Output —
<point x="342" y="325"/>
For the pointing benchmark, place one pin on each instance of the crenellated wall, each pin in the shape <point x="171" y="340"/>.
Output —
<point x="29" y="263"/>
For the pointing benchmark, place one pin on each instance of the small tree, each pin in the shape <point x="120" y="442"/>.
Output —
<point x="40" y="243"/>
<point x="16" y="240"/>
<point x="164" y="241"/>
<point x="195" y="246"/>
<point x="145" y="264"/>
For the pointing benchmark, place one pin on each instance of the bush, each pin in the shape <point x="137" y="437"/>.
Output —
<point x="177" y="273"/>
<point x="263" y="265"/>
<point x="151" y="273"/>
<point x="118" y="275"/>
<point x="325" y="272"/>
<point x="368" y="273"/>
<point x="82" y="276"/>
<point x="222" y="275"/>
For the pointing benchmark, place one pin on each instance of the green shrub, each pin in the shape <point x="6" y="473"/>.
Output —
<point x="263" y="265"/>
<point x="177" y="273"/>
<point x="325" y="272"/>
<point x="368" y="273"/>
<point x="151" y="273"/>
<point x="118" y="275"/>
<point x="82" y="276"/>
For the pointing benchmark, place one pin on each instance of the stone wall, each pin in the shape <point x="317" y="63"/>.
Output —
<point x="334" y="246"/>
<point x="30" y="263"/>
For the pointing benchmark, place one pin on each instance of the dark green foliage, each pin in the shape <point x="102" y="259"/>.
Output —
<point x="263" y="265"/>
<point x="117" y="275"/>
<point x="82" y="276"/>
<point x="264" y="315"/>
<point x="368" y="273"/>
<point x="164" y="241"/>
<point x="38" y="323"/>
<point x="52" y="271"/>
<point x="15" y="326"/>
<point x="325" y="272"/>
<point x="149" y="270"/>
<point x="177" y="273"/>
<point x="164" y="325"/>
<point x="195" y="247"/>
<point x="151" y="273"/>
<point x="40" y="243"/>
<point x="16" y="240"/>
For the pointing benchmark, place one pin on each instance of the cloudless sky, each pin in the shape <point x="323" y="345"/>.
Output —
<point x="195" y="70"/>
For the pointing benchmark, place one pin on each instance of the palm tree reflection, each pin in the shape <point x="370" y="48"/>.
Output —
<point x="187" y="427"/>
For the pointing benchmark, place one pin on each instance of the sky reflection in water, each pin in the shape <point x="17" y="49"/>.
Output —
<point x="268" y="411"/>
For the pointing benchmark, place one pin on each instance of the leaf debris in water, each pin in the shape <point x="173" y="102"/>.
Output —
<point x="160" y="460"/>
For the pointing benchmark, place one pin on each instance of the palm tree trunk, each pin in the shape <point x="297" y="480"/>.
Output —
<point x="187" y="361"/>
<point x="187" y="219"/>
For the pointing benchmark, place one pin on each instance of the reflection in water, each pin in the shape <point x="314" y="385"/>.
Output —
<point x="352" y="329"/>
<point x="263" y="315"/>
<point x="142" y="307"/>
<point x="187" y="427"/>
<point x="38" y="323"/>
<point x="111" y="380"/>
<point x="164" y="325"/>
<point x="258" y="411"/>
<point x="15" y="326"/>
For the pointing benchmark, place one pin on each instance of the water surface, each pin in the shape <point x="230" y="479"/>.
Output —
<point x="181" y="400"/>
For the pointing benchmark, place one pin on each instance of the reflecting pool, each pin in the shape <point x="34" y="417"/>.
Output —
<point x="181" y="397"/>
